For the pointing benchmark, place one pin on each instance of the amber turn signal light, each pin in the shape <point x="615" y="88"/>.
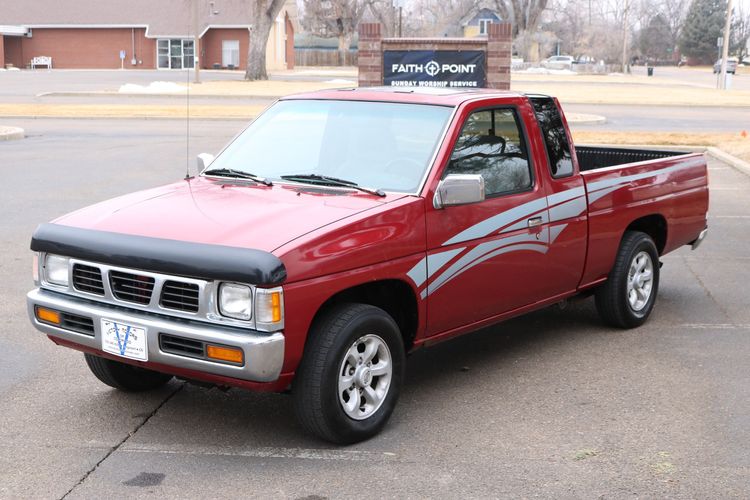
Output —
<point x="219" y="353"/>
<point x="47" y="315"/>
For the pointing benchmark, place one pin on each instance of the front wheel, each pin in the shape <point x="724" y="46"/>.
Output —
<point x="350" y="376"/>
<point x="627" y="298"/>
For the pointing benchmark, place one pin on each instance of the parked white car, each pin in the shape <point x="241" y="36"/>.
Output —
<point x="731" y="65"/>
<point x="558" y="62"/>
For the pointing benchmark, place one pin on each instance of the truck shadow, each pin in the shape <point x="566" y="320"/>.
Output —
<point x="435" y="377"/>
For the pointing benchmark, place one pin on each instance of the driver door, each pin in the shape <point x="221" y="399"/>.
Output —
<point x="485" y="258"/>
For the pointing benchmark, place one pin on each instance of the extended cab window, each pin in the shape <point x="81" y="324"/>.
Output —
<point x="555" y="138"/>
<point x="492" y="144"/>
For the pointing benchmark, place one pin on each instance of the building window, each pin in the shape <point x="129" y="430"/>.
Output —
<point x="175" y="53"/>
<point x="230" y="53"/>
<point x="484" y="26"/>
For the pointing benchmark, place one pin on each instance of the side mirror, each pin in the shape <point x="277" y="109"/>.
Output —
<point x="459" y="189"/>
<point x="204" y="160"/>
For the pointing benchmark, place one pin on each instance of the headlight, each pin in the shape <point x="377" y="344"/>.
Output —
<point x="56" y="270"/>
<point x="236" y="301"/>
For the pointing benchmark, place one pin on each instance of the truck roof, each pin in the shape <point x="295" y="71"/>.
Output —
<point x="414" y="95"/>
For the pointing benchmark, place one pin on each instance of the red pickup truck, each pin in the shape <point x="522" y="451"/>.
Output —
<point x="343" y="229"/>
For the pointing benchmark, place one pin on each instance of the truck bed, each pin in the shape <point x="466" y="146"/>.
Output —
<point x="593" y="158"/>
<point x="668" y="188"/>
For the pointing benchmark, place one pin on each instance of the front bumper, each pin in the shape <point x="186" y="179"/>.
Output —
<point x="263" y="352"/>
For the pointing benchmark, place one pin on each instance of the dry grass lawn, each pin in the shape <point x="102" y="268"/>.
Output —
<point x="584" y="92"/>
<point x="734" y="144"/>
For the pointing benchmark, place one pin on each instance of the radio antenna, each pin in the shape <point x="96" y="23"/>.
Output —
<point x="187" y="102"/>
<point x="187" y="127"/>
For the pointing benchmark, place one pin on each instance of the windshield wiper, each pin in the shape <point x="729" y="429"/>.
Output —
<point x="231" y="172"/>
<point x="331" y="181"/>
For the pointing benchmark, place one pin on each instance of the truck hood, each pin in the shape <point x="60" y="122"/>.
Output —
<point x="238" y="214"/>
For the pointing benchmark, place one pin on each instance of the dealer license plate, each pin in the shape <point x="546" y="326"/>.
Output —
<point x="124" y="340"/>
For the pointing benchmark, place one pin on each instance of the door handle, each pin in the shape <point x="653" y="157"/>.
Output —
<point x="535" y="222"/>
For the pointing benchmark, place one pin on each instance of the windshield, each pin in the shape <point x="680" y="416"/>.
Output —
<point x="376" y="144"/>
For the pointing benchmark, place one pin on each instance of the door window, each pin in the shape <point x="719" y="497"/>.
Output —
<point x="492" y="145"/>
<point x="175" y="53"/>
<point x="163" y="54"/>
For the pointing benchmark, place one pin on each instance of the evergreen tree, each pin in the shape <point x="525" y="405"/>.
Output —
<point x="703" y="25"/>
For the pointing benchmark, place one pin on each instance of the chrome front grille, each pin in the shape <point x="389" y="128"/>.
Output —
<point x="157" y="293"/>
<point x="186" y="297"/>
<point x="180" y="296"/>
<point x="88" y="279"/>
<point x="131" y="287"/>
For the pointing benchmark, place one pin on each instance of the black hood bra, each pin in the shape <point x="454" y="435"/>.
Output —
<point x="181" y="258"/>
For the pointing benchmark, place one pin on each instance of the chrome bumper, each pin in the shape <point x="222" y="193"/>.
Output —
<point x="263" y="352"/>
<point x="695" y="244"/>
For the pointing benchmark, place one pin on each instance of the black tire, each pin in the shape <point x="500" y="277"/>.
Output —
<point x="317" y="401"/>
<point x="612" y="300"/>
<point x="125" y="377"/>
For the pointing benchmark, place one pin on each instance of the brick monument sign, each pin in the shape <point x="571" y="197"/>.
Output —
<point x="435" y="62"/>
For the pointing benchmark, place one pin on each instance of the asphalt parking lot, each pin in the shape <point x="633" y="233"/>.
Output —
<point x="551" y="405"/>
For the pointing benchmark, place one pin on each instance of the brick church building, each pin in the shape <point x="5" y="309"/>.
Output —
<point x="138" y="34"/>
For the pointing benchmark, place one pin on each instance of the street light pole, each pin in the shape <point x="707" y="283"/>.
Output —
<point x="196" y="43"/>
<point x="725" y="48"/>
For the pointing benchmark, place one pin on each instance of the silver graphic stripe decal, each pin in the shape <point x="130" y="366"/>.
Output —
<point x="557" y="207"/>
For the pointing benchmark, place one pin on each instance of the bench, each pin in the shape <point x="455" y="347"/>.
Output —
<point x="41" y="61"/>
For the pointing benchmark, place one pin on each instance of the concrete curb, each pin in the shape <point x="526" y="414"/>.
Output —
<point x="11" y="133"/>
<point x="733" y="161"/>
<point x="584" y="119"/>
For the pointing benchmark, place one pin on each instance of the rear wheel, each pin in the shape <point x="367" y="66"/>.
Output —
<point x="628" y="296"/>
<point x="125" y="377"/>
<point x="350" y="376"/>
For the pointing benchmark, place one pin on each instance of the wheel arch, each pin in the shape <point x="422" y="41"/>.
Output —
<point x="654" y="225"/>
<point x="394" y="296"/>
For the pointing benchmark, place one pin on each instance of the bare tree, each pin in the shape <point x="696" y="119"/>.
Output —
<point x="383" y="12"/>
<point x="572" y="26"/>
<point x="439" y="17"/>
<point x="526" y="16"/>
<point x="334" y="19"/>
<point x="740" y="30"/>
<point x="674" y="11"/>
<point x="263" y="14"/>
